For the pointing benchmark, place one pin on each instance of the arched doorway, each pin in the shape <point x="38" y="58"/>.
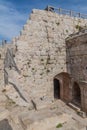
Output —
<point x="61" y="86"/>
<point x="76" y="94"/>
<point x="56" y="89"/>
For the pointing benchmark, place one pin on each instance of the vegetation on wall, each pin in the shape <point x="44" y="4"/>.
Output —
<point x="59" y="125"/>
<point x="57" y="23"/>
<point x="79" y="27"/>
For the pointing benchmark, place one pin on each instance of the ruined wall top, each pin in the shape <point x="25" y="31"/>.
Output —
<point x="78" y="34"/>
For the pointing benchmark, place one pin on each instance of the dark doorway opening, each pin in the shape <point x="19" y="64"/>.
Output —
<point x="76" y="94"/>
<point x="56" y="89"/>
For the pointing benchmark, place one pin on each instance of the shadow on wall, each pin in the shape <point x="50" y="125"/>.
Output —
<point x="4" y="125"/>
<point x="76" y="92"/>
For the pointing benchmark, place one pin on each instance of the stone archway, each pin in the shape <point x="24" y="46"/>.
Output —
<point x="56" y="89"/>
<point x="62" y="86"/>
<point x="76" y="94"/>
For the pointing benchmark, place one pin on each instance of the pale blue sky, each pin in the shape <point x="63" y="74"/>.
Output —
<point x="14" y="13"/>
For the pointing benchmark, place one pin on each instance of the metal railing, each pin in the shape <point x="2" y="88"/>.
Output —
<point x="4" y="42"/>
<point x="66" y="12"/>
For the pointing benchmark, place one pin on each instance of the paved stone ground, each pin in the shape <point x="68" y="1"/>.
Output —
<point x="48" y="118"/>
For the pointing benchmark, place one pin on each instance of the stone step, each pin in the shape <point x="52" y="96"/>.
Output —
<point x="3" y="113"/>
<point x="74" y="106"/>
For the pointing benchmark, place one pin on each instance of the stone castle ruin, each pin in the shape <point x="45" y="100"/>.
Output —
<point x="45" y="62"/>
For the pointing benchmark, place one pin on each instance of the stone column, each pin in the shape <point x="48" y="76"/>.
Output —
<point x="83" y="87"/>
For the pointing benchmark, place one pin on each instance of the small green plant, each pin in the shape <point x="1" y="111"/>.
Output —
<point x="45" y="21"/>
<point x="78" y="27"/>
<point x="57" y="23"/>
<point x="48" y="71"/>
<point x="79" y="21"/>
<point x="42" y="59"/>
<point x="52" y="108"/>
<point x="0" y="56"/>
<point x="9" y="102"/>
<point x="59" y="125"/>
<point x="16" y="48"/>
<point x="78" y="113"/>
<point x="48" y="60"/>
<point x="67" y="31"/>
<point x="52" y="28"/>
<point x="28" y="62"/>
<point x="41" y="73"/>
<point x="4" y="90"/>
<point x="25" y="75"/>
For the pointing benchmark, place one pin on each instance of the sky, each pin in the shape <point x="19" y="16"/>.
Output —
<point x="14" y="13"/>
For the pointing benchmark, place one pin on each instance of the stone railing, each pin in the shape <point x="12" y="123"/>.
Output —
<point x="66" y="12"/>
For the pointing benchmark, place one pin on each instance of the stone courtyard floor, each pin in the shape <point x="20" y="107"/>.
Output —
<point x="57" y="116"/>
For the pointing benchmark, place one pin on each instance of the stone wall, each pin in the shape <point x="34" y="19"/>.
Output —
<point x="77" y="64"/>
<point x="77" y="56"/>
<point x="3" y="49"/>
<point x="40" y="52"/>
